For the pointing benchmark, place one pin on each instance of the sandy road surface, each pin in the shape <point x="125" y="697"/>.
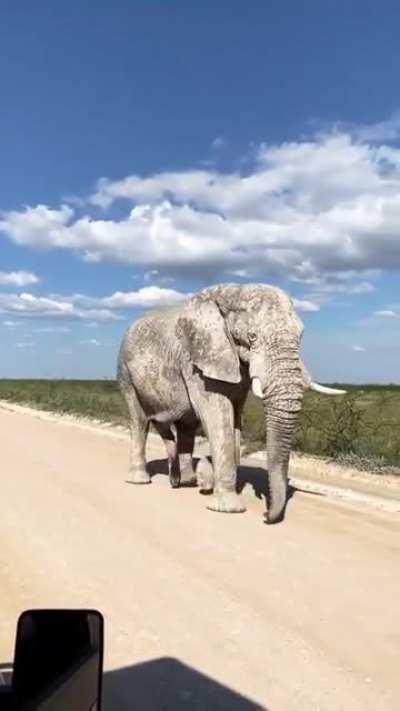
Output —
<point x="203" y="610"/>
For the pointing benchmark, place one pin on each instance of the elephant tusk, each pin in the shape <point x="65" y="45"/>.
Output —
<point x="257" y="388"/>
<point x="326" y="391"/>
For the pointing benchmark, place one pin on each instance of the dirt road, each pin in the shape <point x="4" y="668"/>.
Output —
<point x="203" y="610"/>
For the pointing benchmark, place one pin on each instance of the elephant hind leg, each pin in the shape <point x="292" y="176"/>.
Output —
<point x="169" y="438"/>
<point x="138" y="424"/>
<point x="179" y="443"/>
<point x="186" y="432"/>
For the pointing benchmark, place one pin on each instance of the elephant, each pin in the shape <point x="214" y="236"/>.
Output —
<point x="194" y="364"/>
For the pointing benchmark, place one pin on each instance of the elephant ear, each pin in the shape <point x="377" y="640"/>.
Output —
<point x="203" y="331"/>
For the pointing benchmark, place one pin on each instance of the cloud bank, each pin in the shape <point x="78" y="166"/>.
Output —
<point x="107" y="308"/>
<point x="87" y="308"/>
<point x="324" y="212"/>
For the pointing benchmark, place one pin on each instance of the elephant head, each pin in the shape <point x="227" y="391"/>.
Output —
<point x="257" y="325"/>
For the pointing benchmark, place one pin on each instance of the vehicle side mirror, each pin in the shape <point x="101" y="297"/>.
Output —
<point x="58" y="661"/>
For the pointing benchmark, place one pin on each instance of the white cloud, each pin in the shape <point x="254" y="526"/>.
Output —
<point x="80" y="306"/>
<point x="52" y="329"/>
<point x="388" y="130"/>
<point x="346" y="282"/>
<point x="242" y="273"/>
<point x="359" y="349"/>
<point x="19" y="278"/>
<point x="99" y="314"/>
<point x="304" y="305"/>
<point x="312" y="210"/>
<point x="11" y="324"/>
<point x="91" y="342"/>
<point x="28" y="305"/>
<point x="387" y="314"/>
<point x="25" y="344"/>
<point x="218" y="143"/>
<point x="38" y="226"/>
<point x="86" y="308"/>
<point x="148" y="297"/>
<point x="154" y="276"/>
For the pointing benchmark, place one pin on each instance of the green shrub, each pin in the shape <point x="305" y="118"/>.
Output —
<point x="361" y="428"/>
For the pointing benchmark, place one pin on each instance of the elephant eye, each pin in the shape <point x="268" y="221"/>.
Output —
<point x="252" y="336"/>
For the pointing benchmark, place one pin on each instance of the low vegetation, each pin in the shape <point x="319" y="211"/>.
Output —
<point x="361" y="429"/>
<point x="98" y="399"/>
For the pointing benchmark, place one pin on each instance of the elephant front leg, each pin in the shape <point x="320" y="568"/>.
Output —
<point x="205" y="476"/>
<point x="219" y="425"/>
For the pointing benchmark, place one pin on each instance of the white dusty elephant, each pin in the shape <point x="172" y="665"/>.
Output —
<point x="195" y="364"/>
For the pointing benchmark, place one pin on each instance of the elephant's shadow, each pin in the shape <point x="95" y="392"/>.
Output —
<point x="254" y="477"/>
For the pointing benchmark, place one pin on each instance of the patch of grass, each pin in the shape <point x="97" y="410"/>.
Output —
<point x="98" y="399"/>
<point x="361" y="429"/>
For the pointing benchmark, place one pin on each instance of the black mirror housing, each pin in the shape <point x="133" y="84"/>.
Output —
<point x="58" y="662"/>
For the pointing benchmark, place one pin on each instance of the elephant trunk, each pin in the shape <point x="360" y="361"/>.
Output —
<point x="282" y="403"/>
<point x="280" y="427"/>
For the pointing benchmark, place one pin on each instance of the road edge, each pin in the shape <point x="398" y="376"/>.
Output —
<point x="334" y="492"/>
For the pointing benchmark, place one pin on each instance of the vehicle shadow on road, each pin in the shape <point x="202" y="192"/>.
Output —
<point x="166" y="684"/>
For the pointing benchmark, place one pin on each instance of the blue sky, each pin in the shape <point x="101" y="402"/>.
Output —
<point x="150" y="149"/>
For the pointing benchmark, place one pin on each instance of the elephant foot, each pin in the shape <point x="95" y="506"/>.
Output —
<point x="139" y="476"/>
<point x="174" y="474"/>
<point x="226" y="502"/>
<point x="205" y="476"/>
<point x="188" y="477"/>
